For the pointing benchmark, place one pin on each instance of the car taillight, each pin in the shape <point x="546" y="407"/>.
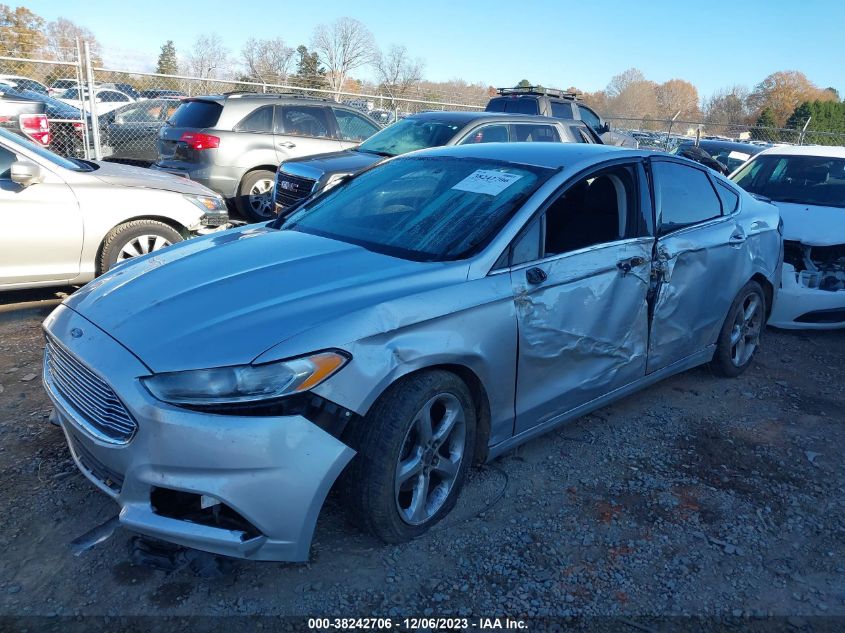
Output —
<point x="197" y="140"/>
<point x="79" y="129"/>
<point x="36" y="127"/>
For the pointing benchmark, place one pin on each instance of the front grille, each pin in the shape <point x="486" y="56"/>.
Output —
<point x="110" y="478"/>
<point x="96" y="403"/>
<point x="291" y="189"/>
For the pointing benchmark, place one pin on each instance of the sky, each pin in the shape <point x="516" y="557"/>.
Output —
<point x="713" y="44"/>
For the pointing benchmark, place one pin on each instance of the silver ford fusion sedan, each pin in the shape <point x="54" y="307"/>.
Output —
<point x="436" y="310"/>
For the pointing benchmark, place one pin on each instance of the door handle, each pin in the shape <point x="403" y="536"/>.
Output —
<point x="287" y="144"/>
<point x="535" y="276"/>
<point x="626" y="265"/>
<point x="737" y="238"/>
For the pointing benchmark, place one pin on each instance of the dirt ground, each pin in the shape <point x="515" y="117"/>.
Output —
<point x="699" y="496"/>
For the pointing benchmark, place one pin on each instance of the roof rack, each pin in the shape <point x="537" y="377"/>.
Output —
<point x="538" y="90"/>
<point x="271" y="95"/>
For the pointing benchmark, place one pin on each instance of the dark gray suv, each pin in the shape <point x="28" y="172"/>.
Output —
<point x="557" y="104"/>
<point x="233" y="143"/>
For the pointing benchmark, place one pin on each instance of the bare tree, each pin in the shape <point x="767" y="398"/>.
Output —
<point x="268" y="61"/>
<point x="727" y="106"/>
<point x="209" y="58"/>
<point x="61" y="41"/>
<point x="342" y="46"/>
<point x="397" y="73"/>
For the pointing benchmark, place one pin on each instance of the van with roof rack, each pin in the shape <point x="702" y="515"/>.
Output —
<point x="233" y="143"/>
<point x="559" y="104"/>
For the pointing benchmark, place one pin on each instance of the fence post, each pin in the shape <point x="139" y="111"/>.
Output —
<point x="86" y="150"/>
<point x="803" y="131"/>
<point x="92" y="94"/>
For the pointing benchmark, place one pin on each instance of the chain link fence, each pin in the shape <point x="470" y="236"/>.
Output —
<point x="665" y="134"/>
<point x="120" y="118"/>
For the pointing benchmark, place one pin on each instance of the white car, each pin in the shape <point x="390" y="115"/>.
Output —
<point x="108" y="99"/>
<point x="65" y="221"/>
<point x="807" y="184"/>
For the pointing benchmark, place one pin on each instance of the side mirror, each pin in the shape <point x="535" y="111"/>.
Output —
<point x="25" y="173"/>
<point x="605" y="128"/>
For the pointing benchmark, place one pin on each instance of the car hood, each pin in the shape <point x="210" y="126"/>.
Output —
<point x="226" y="298"/>
<point x="315" y="167"/>
<point x="812" y="225"/>
<point x="129" y="176"/>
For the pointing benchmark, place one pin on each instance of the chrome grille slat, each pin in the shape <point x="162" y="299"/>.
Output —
<point x="90" y="395"/>
<point x="302" y="187"/>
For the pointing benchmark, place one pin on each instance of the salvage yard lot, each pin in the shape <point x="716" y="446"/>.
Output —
<point x="701" y="495"/>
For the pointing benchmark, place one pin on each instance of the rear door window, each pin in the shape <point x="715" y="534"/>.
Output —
<point x="304" y="121"/>
<point x="684" y="196"/>
<point x="487" y="134"/>
<point x="562" y="110"/>
<point x="260" y="120"/>
<point x="197" y="114"/>
<point x="535" y="133"/>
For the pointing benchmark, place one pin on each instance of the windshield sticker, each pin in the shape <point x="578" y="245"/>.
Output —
<point x="739" y="156"/>
<point x="487" y="181"/>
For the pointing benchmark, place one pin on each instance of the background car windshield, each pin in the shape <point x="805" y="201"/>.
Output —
<point x="46" y="154"/>
<point x="409" y="135"/>
<point x="817" y="180"/>
<point x="422" y="208"/>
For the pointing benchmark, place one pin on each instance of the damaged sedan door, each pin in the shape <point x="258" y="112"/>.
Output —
<point x="580" y="275"/>
<point x="701" y="261"/>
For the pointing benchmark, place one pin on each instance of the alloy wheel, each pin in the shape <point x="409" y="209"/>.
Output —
<point x="261" y="197"/>
<point x="745" y="334"/>
<point x="430" y="459"/>
<point x="142" y="245"/>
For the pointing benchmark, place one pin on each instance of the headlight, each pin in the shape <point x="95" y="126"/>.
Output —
<point x="207" y="203"/>
<point x="245" y="383"/>
<point x="333" y="180"/>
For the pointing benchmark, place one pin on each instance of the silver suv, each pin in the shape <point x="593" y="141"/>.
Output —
<point x="233" y="143"/>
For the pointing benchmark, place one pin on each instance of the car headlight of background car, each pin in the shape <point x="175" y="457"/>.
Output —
<point x="214" y="209"/>
<point x="245" y="383"/>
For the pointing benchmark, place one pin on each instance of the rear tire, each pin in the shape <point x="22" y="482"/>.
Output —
<point x="740" y="336"/>
<point x="404" y="480"/>
<point x="255" y="196"/>
<point x="135" y="238"/>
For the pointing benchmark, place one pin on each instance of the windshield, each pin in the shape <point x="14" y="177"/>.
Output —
<point x="422" y="208"/>
<point x="65" y="163"/>
<point x="408" y="135"/>
<point x="816" y="180"/>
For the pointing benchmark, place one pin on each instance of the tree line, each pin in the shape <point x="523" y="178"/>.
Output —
<point x="340" y="50"/>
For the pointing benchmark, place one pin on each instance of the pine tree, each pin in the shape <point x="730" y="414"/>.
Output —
<point x="167" y="62"/>
<point x="309" y="72"/>
<point x="765" y="120"/>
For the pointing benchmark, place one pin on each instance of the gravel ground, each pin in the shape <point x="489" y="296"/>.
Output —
<point x="700" y="496"/>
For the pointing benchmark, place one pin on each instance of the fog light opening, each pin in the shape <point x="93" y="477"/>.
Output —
<point x="202" y="510"/>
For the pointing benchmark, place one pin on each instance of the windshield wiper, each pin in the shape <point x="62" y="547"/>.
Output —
<point x="376" y="152"/>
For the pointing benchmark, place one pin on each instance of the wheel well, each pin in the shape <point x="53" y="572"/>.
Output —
<point x="173" y="224"/>
<point x="480" y="400"/>
<point x="270" y="168"/>
<point x="768" y="291"/>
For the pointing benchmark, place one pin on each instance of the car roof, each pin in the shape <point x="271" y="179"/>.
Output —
<point x="551" y="155"/>
<point x="831" y="151"/>
<point x="739" y="146"/>
<point x="462" y="116"/>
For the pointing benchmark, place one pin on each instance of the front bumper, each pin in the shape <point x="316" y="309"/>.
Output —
<point x="798" y="307"/>
<point x="273" y="472"/>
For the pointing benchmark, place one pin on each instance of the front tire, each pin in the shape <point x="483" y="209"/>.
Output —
<point x="415" y="447"/>
<point x="255" y="196"/>
<point x="740" y="336"/>
<point x="135" y="238"/>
